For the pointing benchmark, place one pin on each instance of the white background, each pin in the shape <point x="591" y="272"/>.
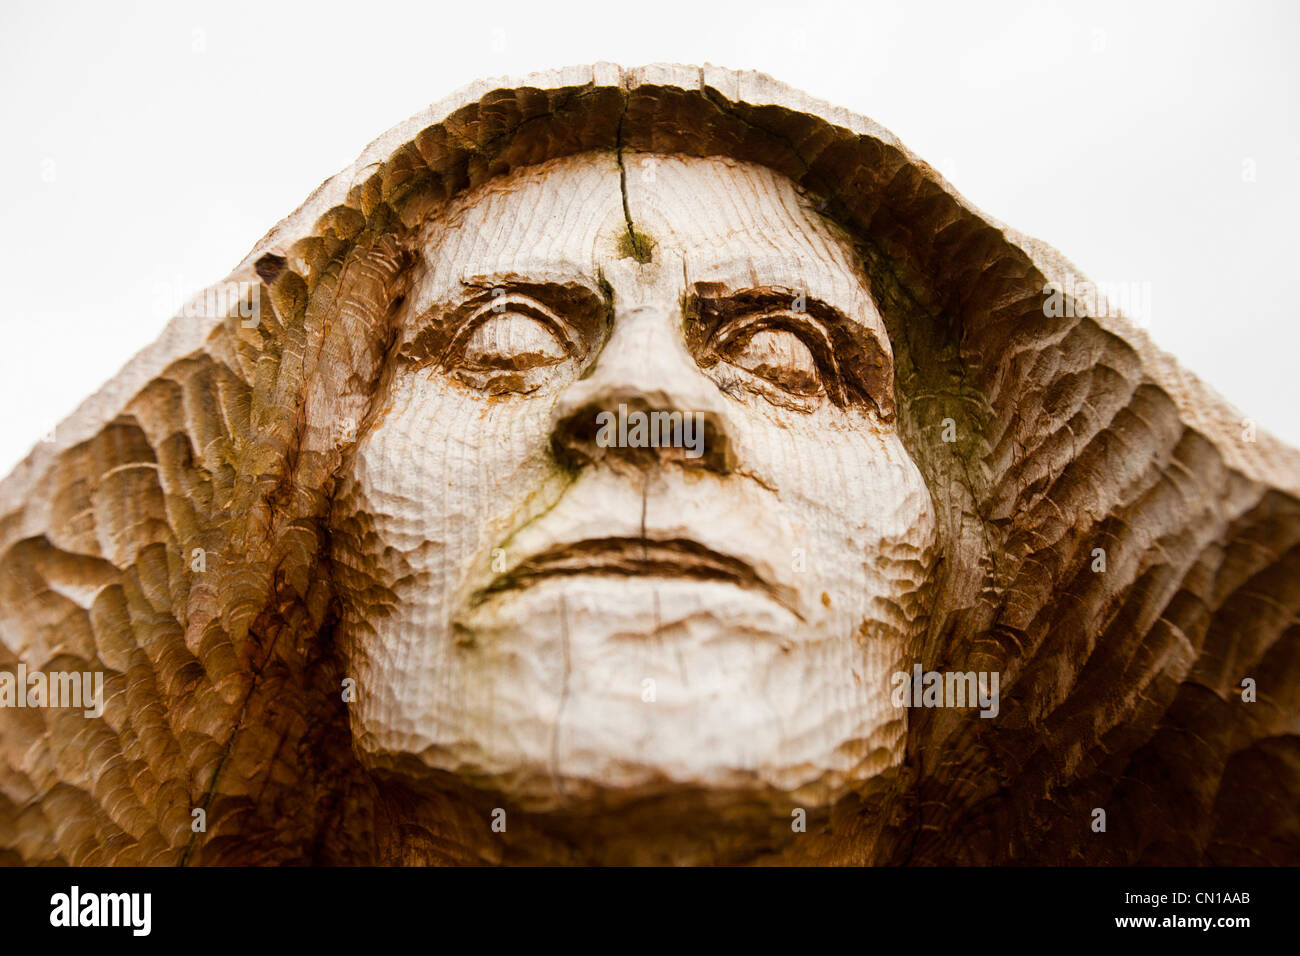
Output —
<point x="148" y="146"/>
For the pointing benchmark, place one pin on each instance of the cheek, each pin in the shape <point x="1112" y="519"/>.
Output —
<point x="445" y="474"/>
<point x="856" y="500"/>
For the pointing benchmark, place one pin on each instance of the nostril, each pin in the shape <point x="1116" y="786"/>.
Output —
<point x="574" y="439"/>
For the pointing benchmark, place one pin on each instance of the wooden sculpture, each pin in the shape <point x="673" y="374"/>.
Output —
<point x="595" y="471"/>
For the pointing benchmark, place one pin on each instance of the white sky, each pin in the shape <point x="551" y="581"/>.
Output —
<point x="148" y="146"/>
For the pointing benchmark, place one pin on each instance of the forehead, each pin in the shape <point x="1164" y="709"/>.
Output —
<point x="713" y="220"/>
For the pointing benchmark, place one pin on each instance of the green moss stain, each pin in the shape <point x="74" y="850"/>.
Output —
<point x="635" y="245"/>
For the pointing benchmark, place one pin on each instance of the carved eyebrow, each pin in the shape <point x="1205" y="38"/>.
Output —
<point x="560" y="297"/>
<point x="573" y="283"/>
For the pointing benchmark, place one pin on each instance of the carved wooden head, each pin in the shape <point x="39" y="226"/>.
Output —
<point x="599" y="450"/>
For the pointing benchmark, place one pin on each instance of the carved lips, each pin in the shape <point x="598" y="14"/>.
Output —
<point x="636" y="557"/>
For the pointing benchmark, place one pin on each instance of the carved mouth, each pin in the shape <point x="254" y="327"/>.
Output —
<point x="636" y="557"/>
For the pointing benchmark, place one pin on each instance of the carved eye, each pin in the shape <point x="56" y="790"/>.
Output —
<point x="512" y="341"/>
<point x="528" y="339"/>
<point x="777" y="355"/>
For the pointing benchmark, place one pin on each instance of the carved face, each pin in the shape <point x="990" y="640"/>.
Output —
<point x="561" y="611"/>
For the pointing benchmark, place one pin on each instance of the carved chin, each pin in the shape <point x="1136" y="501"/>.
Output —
<point x="586" y="689"/>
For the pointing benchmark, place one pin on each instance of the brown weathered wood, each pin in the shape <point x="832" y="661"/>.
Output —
<point x="364" y="485"/>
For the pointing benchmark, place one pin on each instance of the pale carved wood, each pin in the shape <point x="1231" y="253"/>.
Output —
<point x="1120" y="690"/>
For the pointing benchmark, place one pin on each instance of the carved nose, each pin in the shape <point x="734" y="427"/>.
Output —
<point x="646" y="401"/>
